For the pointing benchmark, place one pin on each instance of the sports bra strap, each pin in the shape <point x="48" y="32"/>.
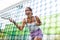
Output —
<point x="35" y="18"/>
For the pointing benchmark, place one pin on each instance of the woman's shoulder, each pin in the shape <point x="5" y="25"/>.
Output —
<point x="36" y="16"/>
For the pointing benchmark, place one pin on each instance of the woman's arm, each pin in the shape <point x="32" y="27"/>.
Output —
<point x="38" y="22"/>
<point x="20" y="27"/>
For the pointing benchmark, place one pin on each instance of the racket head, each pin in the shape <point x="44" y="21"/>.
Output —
<point x="5" y="18"/>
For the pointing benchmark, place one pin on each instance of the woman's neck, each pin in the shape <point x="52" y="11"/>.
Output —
<point x="29" y="17"/>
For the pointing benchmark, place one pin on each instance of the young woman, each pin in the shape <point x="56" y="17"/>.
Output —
<point x="32" y="22"/>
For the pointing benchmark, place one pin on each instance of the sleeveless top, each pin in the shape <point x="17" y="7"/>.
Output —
<point x="32" y="26"/>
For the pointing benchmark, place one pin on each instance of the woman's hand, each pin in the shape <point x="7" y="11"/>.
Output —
<point x="11" y="20"/>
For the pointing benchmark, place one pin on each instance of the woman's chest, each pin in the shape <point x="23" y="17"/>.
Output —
<point x="31" y="20"/>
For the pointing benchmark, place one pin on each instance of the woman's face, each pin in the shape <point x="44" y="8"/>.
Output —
<point x="28" y="11"/>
